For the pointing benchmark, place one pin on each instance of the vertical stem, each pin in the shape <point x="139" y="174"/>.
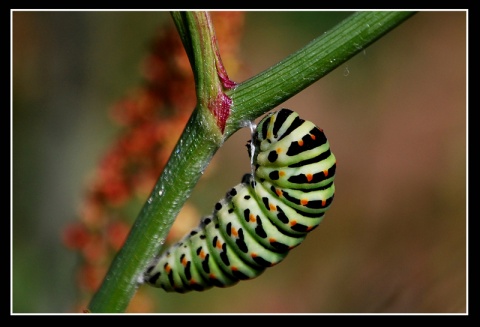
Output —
<point x="194" y="149"/>
<point x="199" y="142"/>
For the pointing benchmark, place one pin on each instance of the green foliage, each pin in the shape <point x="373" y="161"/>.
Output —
<point x="203" y="135"/>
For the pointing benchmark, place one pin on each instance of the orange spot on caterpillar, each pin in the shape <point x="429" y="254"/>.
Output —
<point x="184" y="261"/>
<point x="325" y="172"/>
<point x="303" y="202"/>
<point x="234" y="232"/>
<point x="202" y="254"/>
<point x="309" y="177"/>
<point x="281" y="173"/>
<point x="279" y="192"/>
<point x="252" y="218"/>
<point x="234" y="268"/>
<point x="212" y="276"/>
<point x="219" y="245"/>
<point x="279" y="150"/>
<point x="293" y="223"/>
<point x="253" y="255"/>
<point x="324" y="202"/>
<point x="272" y="240"/>
<point x="300" y="143"/>
<point x="168" y="269"/>
<point x="273" y="207"/>
<point x="312" y="136"/>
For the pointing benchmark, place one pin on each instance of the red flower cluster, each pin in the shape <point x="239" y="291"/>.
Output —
<point x="152" y="118"/>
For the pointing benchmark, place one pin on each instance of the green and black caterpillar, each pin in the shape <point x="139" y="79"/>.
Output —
<point x="261" y="219"/>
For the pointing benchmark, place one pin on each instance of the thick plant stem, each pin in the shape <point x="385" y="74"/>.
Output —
<point x="222" y="109"/>
<point x="187" y="162"/>
<point x="199" y="142"/>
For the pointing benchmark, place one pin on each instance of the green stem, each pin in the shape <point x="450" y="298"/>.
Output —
<point x="215" y="119"/>
<point x="196" y="147"/>
<point x="211" y="78"/>
<point x="188" y="160"/>
<point x="273" y="86"/>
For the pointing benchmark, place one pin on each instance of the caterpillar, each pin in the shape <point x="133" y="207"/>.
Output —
<point x="261" y="219"/>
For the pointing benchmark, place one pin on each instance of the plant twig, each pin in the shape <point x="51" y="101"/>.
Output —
<point x="222" y="109"/>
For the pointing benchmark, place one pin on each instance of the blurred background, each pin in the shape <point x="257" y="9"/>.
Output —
<point x="394" y="240"/>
